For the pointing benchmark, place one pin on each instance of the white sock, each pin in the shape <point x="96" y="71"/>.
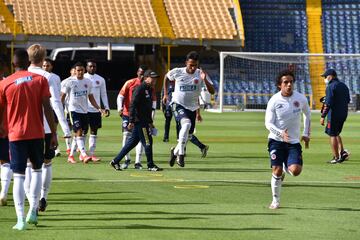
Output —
<point x="276" y="187"/>
<point x="139" y="152"/>
<point x="35" y="189"/>
<point x="6" y="175"/>
<point x="183" y="136"/>
<point x="92" y="144"/>
<point x="126" y="136"/>
<point x="68" y="143"/>
<point x="81" y="145"/>
<point x="19" y="195"/>
<point x="46" y="179"/>
<point x="73" y="146"/>
<point x="27" y="180"/>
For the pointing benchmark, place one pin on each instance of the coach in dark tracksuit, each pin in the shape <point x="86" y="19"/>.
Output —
<point x="140" y="121"/>
<point x="336" y="110"/>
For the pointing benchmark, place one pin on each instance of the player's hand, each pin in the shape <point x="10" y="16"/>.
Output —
<point x="165" y="99"/>
<point x="151" y="125"/>
<point x="107" y="112"/>
<point x="53" y="141"/>
<point x="285" y="135"/>
<point x="199" y="118"/>
<point x="102" y="111"/>
<point x="202" y="74"/>
<point x="322" y="121"/>
<point x="306" y="141"/>
<point x="130" y="126"/>
<point x="120" y="113"/>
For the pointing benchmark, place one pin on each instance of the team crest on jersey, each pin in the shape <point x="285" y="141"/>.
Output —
<point x="296" y="104"/>
<point x="196" y="81"/>
<point x="97" y="82"/>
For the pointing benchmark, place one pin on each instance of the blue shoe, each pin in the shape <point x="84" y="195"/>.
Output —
<point x="20" y="225"/>
<point x="31" y="218"/>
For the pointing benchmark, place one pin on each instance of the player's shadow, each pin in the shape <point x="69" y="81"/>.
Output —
<point x="345" y="209"/>
<point x="87" y="193"/>
<point x="230" y="170"/>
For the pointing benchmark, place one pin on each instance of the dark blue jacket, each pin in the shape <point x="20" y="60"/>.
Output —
<point x="337" y="100"/>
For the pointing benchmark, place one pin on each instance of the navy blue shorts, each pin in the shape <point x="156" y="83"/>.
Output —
<point x="21" y="151"/>
<point x="180" y="112"/>
<point x="4" y="150"/>
<point x="94" y="120"/>
<point x="125" y="123"/>
<point x="49" y="152"/>
<point x="334" y="127"/>
<point x="282" y="152"/>
<point x="167" y="111"/>
<point x="80" y="121"/>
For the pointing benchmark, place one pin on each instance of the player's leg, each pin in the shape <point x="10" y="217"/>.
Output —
<point x="6" y="172"/>
<point x="129" y="145"/>
<point x="36" y="157"/>
<point x="332" y="130"/>
<point x="57" y="150"/>
<point x="277" y="158"/>
<point x="95" y="124"/>
<point x="168" y="117"/>
<point x="68" y="139"/>
<point x="46" y="173"/>
<point x="80" y="127"/>
<point x="126" y="135"/>
<point x="139" y="151"/>
<point x="294" y="161"/>
<point x="19" y="156"/>
<point x="147" y="141"/>
<point x="203" y="148"/>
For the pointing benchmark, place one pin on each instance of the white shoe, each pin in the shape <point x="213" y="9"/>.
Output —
<point x="57" y="152"/>
<point x="274" y="205"/>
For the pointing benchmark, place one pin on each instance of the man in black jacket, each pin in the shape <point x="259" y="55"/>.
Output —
<point x="140" y="122"/>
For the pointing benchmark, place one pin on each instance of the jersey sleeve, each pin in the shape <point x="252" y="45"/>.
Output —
<point x="270" y="118"/>
<point x="307" y="117"/>
<point x="103" y="94"/>
<point x="171" y="75"/>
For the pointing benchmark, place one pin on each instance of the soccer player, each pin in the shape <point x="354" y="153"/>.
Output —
<point x="336" y="110"/>
<point x="282" y="119"/>
<point x="37" y="54"/>
<point x="141" y="121"/>
<point x="188" y="83"/>
<point x="24" y="95"/>
<point x="6" y="172"/>
<point x="123" y="103"/>
<point x="48" y="66"/>
<point x="79" y="90"/>
<point x="94" y="116"/>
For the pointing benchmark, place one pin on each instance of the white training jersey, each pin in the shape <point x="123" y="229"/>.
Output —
<point x="78" y="91"/>
<point x="285" y="113"/>
<point x="98" y="90"/>
<point x="187" y="87"/>
<point x="55" y="100"/>
<point x="66" y="102"/>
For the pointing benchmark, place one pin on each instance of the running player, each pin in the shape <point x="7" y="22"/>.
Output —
<point x="188" y="83"/>
<point x="282" y="119"/>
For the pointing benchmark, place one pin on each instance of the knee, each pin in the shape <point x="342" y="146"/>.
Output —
<point x="277" y="171"/>
<point x="295" y="169"/>
<point x="185" y="123"/>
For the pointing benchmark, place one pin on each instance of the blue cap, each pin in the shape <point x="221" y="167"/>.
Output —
<point x="328" y="72"/>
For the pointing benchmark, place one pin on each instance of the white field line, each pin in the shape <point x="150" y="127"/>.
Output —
<point x="350" y="182"/>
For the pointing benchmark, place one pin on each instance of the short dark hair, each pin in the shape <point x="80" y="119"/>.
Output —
<point x="143" y="67"/>
<point x="22" y="58"/>
<point x="90" y="60"/>
<point x="192" y="55"/>
<point x="78" y="64"/>
<point x="49" y="61"/>
<point x="284" y="73"/>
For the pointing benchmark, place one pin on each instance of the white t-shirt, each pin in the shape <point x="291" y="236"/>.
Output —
<point x="66" y="102"/>
<point x="55" y="100"/>
<point x="187" y="87"/>
<point x="78" y="91"/>
<point x="285" y="113"/>
<point x="99" y="91"/>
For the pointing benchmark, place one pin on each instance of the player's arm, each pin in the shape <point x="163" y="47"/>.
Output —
<point x="328" y="102"/>
<point x="165" y="89"/>
<point x="270" y="118"/>
<point x="104" y="98"/>
<point x="198" y="115"/>
<point x="56" y="103"/>
<point x="208" y="83"/>
<point x="135" y="101"/>
<point x="49" y="115"/>
<point x="154" y="103"/>
<point x="94" y="103"/>
<point x="307" y="123"/>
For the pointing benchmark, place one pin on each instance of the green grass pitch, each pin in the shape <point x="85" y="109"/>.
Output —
<point x="223" y="196"/>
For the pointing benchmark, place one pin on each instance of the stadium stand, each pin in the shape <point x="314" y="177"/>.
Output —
<point x="342" y="35"/>
<point x="209" y="19"/>
<point x="112" y="18"/>
<point x="3" y="27"/>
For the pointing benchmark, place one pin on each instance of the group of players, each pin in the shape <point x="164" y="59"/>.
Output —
<point x="31" y="95"/>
